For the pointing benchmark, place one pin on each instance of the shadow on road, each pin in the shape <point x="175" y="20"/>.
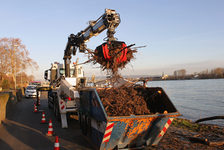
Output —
<point x="28" y="136"/>
<point x="4" y="145"/>
<point x="23" y="128"/>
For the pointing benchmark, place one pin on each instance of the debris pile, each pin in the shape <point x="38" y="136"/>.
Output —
<point x="123" y="101"/>
<point x="113" y="55"/>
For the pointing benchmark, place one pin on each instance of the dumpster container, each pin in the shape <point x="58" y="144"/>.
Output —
<point x="124" y="132"/>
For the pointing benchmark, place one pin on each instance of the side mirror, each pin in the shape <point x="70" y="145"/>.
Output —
<point x="46" y="75"/>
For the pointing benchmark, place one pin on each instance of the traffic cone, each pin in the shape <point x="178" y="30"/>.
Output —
<point x="43" y="120"/>
<point x="50" y="129"/>
<point x="35" y="108"/>
<point x="56" y="144"/>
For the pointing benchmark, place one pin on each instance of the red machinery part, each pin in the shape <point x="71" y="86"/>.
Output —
<point x="105" y="51"/>
<point x="123" y="56"/>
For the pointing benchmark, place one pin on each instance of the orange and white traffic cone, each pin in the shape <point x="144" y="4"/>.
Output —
<point x="56" y="144"/>
<point x="35" y="108"/>
<point x="43" y="120"/>
<point x="50" y="129"/>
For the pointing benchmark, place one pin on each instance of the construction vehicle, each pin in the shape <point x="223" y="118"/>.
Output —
<point x="66" y="79"/>
<point x="63" y="96"/>
<point x="69" y="93"/>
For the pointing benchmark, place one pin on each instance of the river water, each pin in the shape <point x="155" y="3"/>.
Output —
<point x="195" y="99"/>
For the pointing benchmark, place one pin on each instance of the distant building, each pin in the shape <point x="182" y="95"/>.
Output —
<point x="180" y="73"/>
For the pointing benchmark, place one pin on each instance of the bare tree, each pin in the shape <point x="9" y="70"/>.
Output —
<point x="218" y="72"/>
<point x="14" y="57"/>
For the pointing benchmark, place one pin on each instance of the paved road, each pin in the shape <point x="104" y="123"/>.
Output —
<point x="22" y="130"/>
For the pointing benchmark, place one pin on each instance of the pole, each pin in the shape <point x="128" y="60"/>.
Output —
<point x="21" y="80"/>
<point x="14" y="67"/>
<point x="14" y="46"/>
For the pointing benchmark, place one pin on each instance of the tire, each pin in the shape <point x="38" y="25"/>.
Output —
<point x="56" y="109"/>
<point x="54" y="100"/>
<point x="48" y="104"/>
<point x="57" y="114"/>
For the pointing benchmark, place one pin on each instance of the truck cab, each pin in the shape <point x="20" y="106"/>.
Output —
<point x="63" y="96"/>
<point x="57" y="71"/>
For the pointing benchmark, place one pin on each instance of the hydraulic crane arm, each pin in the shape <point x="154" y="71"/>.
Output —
<point x="109" y="20"/>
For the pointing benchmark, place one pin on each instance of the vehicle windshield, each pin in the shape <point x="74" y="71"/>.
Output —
<point x="62" y="72"/>
<point x="31" y="88"/>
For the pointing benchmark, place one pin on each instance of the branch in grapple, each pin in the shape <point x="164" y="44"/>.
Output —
<point x="113" y="55"/>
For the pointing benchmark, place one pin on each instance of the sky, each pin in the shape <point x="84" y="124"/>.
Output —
<point x="186" y="34"/>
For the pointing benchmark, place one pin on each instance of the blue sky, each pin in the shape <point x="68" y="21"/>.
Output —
<point x="178" y="34"/>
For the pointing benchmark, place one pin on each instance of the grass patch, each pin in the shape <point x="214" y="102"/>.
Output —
<point x="189" y="125"/>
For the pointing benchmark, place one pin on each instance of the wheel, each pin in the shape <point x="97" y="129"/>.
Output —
<point x="49" y="104"/>
<point x="54" y="108"/>
<point x="55" y="104"/>
<point x="57" y="114"/>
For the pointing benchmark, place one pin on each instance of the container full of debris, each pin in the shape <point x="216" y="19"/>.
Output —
<point x="125" y="117"/>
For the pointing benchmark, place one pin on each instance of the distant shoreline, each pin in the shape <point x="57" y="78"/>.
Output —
<point x="155" y="79"/>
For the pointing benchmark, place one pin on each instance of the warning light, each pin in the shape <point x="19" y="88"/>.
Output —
<point x="160" y="92"/>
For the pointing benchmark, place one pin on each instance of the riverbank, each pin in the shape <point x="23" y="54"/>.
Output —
<point x="184" y="134"/>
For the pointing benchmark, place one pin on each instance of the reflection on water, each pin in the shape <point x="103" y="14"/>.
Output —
<point x="195" y="99"/>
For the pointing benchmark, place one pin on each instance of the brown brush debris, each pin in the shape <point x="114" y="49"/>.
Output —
<point x="123" y="101"/>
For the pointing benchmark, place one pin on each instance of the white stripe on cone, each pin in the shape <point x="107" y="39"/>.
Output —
<point x="56" y="144"/>
<point x="50" y="129"/>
